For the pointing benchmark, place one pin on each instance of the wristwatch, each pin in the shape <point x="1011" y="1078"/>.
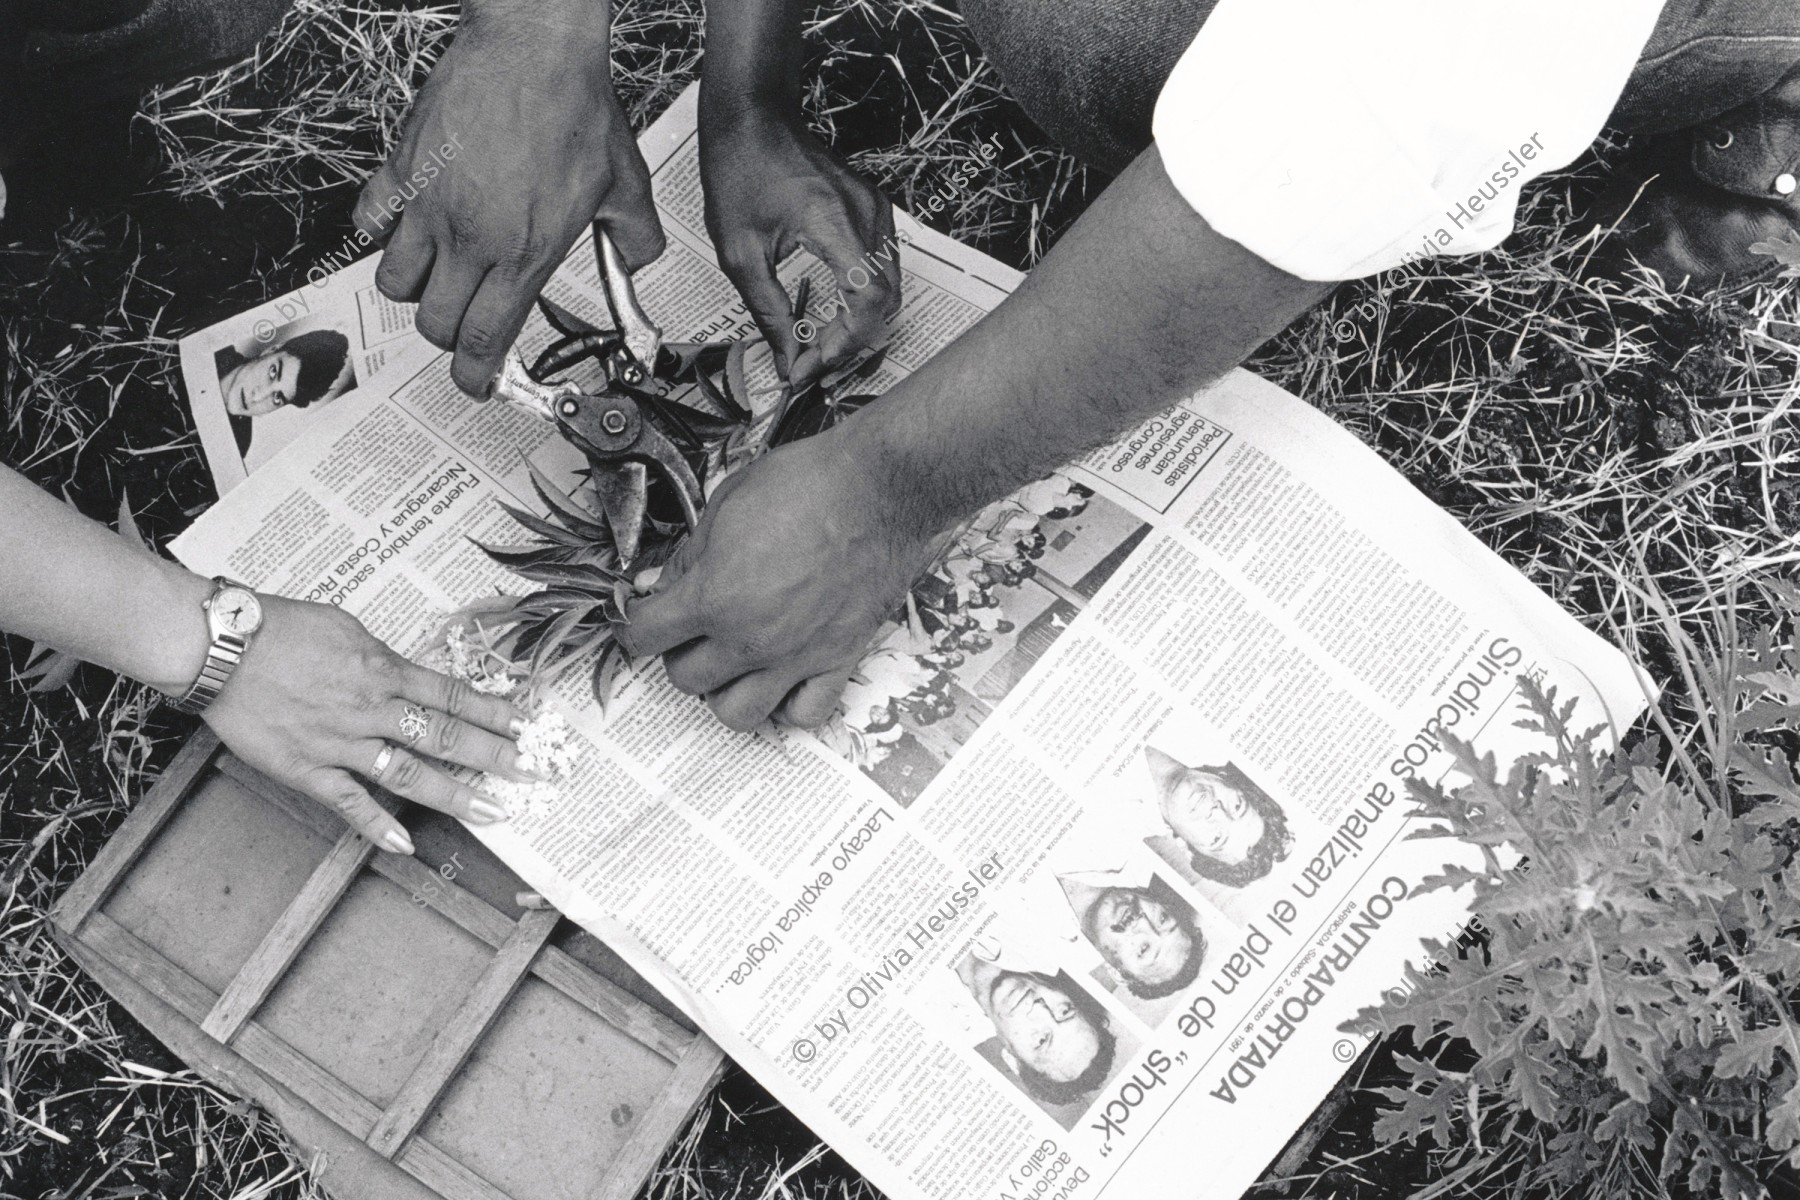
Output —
<point x="234" y="614"/>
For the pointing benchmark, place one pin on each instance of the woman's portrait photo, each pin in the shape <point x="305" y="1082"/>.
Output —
<point x="1222" y="829"/>
<point x="294" y="368"/>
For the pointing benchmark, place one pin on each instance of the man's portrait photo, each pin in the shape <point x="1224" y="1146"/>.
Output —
<point x="1051" y="1039"/>
<point x="294" y="368"/>
<point x="1149" y="936"/>
<point x="1222" y="829"/>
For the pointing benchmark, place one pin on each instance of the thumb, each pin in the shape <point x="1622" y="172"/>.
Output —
<point x="628" y="213"/>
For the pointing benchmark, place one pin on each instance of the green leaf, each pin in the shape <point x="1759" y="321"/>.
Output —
<point x="1782" y="250"/>
<point x="611" y="662"/>
<point x="1754" y="1050"/>
<point x="577" y="519"/>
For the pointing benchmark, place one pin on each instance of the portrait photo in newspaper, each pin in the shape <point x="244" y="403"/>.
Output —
<point x="1048" y="1036"/>
<point x="1153" y="941"/>
<point x="271" y="378"/>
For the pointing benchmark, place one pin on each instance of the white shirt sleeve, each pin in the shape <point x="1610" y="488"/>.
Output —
<point x="1340" y="138"/>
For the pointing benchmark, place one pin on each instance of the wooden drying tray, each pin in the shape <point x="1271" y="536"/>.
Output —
<point x="418" y="1034"/>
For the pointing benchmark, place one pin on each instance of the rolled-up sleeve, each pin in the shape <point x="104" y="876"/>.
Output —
<point x="1337" y="139"/>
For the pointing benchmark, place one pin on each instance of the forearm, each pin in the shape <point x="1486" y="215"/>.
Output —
<point x="753" y="55"/>
<point x="1140" y="304"/>
<point x="68" y="582"/>
<point x="581" y="21"/>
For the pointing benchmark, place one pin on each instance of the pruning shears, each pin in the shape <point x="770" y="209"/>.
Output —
<point x="613" y="428"/>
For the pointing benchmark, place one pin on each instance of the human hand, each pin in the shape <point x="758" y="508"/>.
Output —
<point x="773" y="601"/>
<point x="317" y="698"/>
<point x="515" y="144"/>
<point x="772" y="187"/>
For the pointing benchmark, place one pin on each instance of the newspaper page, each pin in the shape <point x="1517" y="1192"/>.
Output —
<point x="256" y="381"/>
<point x="1110" y="836"/>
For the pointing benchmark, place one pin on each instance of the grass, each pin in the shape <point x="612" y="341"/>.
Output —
<point x="1631" y="450"/>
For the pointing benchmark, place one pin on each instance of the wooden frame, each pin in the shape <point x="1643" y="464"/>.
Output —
<point x="420" y="1135"/>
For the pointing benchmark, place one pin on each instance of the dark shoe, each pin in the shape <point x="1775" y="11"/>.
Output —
<point x="1717" y="189"/>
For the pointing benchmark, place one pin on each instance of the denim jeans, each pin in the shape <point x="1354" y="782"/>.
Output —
<point x="87" y="50"/>
<point x="1089" y="71"/>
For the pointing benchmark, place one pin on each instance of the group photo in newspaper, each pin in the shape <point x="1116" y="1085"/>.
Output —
<point x="1059" y="847"/>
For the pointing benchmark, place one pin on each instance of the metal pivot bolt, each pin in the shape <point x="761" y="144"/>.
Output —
<point x="613" y="422"/>
<point x="570" y="408"/>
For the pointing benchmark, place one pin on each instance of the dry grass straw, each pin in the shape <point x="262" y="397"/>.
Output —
<point x="1631" y="450"/>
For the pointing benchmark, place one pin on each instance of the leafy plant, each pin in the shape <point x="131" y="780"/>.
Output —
<point x="1632" y="1021"/>
<point x="700" y="400"/>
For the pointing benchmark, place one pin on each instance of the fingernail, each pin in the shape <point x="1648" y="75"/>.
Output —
<point x="397" y="841"/>
<point x="516" y="727"/>
<point x="484" y="812"/>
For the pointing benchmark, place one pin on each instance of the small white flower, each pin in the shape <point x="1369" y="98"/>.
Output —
<point x="543" y="748"/>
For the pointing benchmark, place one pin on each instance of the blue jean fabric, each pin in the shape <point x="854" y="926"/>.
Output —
<point x="86" y="50"/>
<point x="1089" y="71"/>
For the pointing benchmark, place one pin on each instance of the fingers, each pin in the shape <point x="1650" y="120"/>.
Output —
<point x="457" y="741"/>
<point x="455" y="278"/>
<point x="336" y="790"/>
<point x="409" y="776"/>
<point x="628" y="214"/>
<point x="491" y="324"/>
<point x="459" y="701"/>
<point x="659" y="622"/>
<point x="816" y="701"/>
<point x="406" y="264"/>
<point x="867" y="268"/>
<point x="868" y="273"/>
<point x="746" y="703"/>
<point x="753" y="274"/>
<point x="705" y="667"/>
<point x="378" y="208"/>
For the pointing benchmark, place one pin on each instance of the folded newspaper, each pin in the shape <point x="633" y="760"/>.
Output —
<point x="1072" y="898"/>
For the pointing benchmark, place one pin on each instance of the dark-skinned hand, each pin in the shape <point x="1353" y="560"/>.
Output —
<point x="773" y="601"/>
<point x="771" y="188"/>
<point x="515" y="145"/>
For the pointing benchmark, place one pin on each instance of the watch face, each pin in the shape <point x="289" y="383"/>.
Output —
<point x="238" y="610"/>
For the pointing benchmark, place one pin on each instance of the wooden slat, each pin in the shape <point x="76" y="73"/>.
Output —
<point x="158" y="976"/>
<point x="641" y="1022"/>
<point x="255" y="1045"/>
<point x="122" y="849"/>
<point x="287" y="937"/>
<point x="454" y="1042"/>
<point x="694" y="1075"/>
<point x="444" y="1175"/>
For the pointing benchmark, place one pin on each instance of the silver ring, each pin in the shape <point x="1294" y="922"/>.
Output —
<point x="382" y="759"/>
<point x="415" y="723"/>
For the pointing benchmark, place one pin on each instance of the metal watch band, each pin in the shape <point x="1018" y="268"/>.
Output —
<point x="222" y="658"/>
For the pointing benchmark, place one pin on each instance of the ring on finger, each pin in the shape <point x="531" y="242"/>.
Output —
<point x="415" y="724"/>
<point x="383" y="758"/>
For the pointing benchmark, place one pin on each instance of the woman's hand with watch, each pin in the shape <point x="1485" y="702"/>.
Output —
<point x="302" y="692"/>
<point x="321" y="705"/>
